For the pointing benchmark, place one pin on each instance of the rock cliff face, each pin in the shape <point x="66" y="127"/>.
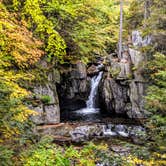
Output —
<point x="121" y="89"/>
<point x="123" y="86"/>
<point x="74" y="88"/>
<point x="47" y="108"/>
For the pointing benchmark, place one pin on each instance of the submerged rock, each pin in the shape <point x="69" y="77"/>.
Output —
<point x="122" y="130"/>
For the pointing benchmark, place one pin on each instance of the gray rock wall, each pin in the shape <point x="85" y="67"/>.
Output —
<point x="122" y="88"/>
<point x="74" y="87"/>
<point x="47" y="107"/>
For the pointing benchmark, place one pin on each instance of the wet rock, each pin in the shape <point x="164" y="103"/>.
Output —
<point x="138" y="134"/>
<point x="123" y="87"/>
<point x="120" y="96"/>
<point x="122" y="130"/>
<point x="106" y="96"/>
<point x="108" y="131"/>
<point x="83" y="133"/>
<point x="92" y="70"/>
<point x="61" y="130"/>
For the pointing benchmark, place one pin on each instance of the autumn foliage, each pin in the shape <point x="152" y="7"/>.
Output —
<point x="18" y="46"/>
<point x="19" y="50"/>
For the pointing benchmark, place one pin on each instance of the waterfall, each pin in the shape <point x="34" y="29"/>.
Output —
<point x="91" y="102"/>
<point x="94" y="89"/>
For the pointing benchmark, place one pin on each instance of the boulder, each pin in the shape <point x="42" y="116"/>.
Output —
<point x="83" y="133"/>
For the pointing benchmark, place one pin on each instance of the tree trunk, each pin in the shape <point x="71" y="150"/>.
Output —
<point x="120" y="29"/>
<point x="147" y="9"/>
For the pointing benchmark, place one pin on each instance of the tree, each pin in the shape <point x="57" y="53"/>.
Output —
<point x="19" y="51"/>
<point x="121" y="29"/>
<point x="147" y="4"/>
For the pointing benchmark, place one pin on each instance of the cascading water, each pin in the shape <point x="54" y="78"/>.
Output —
<point x="94" y="88"/>
<point x="91" y="102"/>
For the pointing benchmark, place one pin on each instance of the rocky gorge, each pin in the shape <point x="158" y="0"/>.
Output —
<point x="121" y="89"/>
<point x="82" y="83"/>
<point x="119" y="92"/>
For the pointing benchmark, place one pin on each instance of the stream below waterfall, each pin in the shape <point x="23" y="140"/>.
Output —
<point x="90" y="122"/>
<point x="92" y="112"/>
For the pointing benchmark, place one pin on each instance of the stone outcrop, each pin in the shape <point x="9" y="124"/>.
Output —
<point x="74" y="87"/>
<point x="122" y="88"/>
<point x="94" y="70"/>
<point x="47" y="107"/>
<point x="114" y="96"/>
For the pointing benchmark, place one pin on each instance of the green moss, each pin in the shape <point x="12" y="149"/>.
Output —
<point x="115" y="72"/>
<point x="45" y="99"/>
